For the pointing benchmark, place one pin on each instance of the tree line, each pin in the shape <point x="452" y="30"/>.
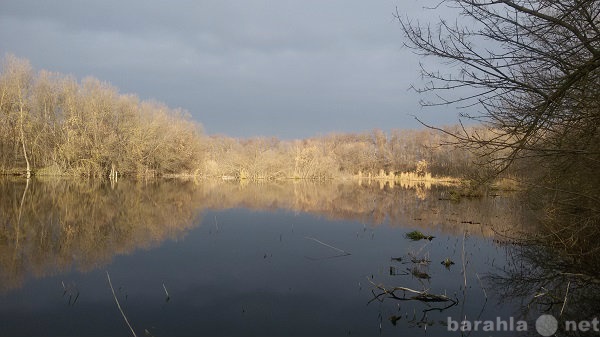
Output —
<point x="374" y="153"/>
<point x="52" y="124"/>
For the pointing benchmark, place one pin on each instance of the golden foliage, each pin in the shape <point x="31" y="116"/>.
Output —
<point x="88" y="128"/>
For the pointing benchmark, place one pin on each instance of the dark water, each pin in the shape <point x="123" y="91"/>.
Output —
<point x="208" y="258"/>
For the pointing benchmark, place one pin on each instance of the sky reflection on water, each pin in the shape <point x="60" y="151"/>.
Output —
<point x="253" y="266"/>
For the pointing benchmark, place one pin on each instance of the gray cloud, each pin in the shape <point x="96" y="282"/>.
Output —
<point x="284" y="68"/>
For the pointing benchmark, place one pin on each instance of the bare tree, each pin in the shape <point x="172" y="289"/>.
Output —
<point x="532" y="70"/>
<point x="532" y="67"/>
<point x="16" y="82"/>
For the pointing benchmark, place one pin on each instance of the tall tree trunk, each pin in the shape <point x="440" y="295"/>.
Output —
<point x="25" y="154"/>
<point x="23" y="142"/>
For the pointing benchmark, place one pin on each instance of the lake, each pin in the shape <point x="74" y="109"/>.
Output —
<point x="188" y="258"/>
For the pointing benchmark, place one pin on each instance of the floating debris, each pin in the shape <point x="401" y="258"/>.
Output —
<point x="419" y="274"/>
<point x="423" y="296"/>
<point x="447" y="263"/>
<point x="423" y="261"/>
<point x="416" y="236"/>
<point x="394" y="271"/>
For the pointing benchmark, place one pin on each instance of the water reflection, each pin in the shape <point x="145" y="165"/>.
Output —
<point x="540" y="280"/>
<point x="278" y="258"/>
<point x="50" y="226"/>
<point x="374" y="203"/>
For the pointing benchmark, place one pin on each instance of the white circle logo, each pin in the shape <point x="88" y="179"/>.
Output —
<point x="546" y="325"/>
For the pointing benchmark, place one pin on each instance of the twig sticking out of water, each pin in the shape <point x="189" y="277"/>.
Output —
<point x="463" y="259"/>
<point x="424" y="261"/>
<point x="482" y="288"/>
<point x="166" y="293"/>
<point x="71" y="290"/>
<point x="565" y="301"/>
<point x="326" y="245"/>
<point x="119" y="305"/>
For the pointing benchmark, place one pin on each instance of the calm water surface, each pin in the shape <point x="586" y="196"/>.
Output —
<point x="217" y="258"/>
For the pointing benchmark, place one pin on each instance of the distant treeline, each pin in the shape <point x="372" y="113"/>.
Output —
<point x="374" y="153"/>
<point x="53" y="124"/>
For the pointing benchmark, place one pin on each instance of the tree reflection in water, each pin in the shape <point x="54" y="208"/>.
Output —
<point x="55" y="227"/>
<point x="50" y="226"/>
<point x="545" y="281"/>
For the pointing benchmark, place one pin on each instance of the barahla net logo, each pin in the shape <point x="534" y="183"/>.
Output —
<point x="545" y="325"/>
<point x="488" y="326"/>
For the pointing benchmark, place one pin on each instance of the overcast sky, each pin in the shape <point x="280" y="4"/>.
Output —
<point x="290" y="69"/>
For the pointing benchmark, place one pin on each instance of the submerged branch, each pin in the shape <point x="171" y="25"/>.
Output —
<point x="326" y="245"/>
<point x="423" y="296"/>
<point x="119" y="305"/>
